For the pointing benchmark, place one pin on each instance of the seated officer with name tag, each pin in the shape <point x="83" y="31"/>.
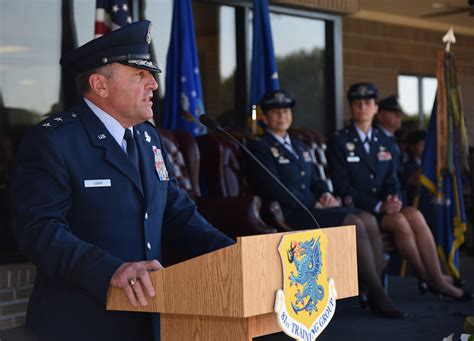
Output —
<point x="361" y="157"/>
<point x="290" y="161"/>
<point x="94" y="202"/>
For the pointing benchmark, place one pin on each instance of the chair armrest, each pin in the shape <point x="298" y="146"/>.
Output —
<point x="235" y="216"/>
<point x="273" y="215"/>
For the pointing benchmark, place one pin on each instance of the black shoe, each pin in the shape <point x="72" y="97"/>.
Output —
<point x="459" y="282"/>
<point x="387" y="312"/>
<point x="422" y="287"/>
<point x="363" y="297"/>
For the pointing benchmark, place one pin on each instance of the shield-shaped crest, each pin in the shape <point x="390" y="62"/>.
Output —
<point x="308" y="300"/>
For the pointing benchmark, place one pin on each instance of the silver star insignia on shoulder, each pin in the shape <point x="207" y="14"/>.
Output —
<point x="58" y="119"/>
<point x="147" y="137"/>
<point x="73" y="115"/>
<point x="47" y="125"/>
<point x="101" y="136"/>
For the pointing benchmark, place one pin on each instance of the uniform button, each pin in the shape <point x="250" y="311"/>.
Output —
<point x="374" y="189"/>
<point x="303" y="186"/>
<point x="146" y="215"/>
<point x="302" y="173"/>
<point x="148" y="246"/>
<point x="371" y="176"/>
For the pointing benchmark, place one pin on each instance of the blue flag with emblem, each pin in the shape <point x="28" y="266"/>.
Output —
<point x="183" y="99"/>
<point x="445" y="155"/>
<point x="264" y="75"/>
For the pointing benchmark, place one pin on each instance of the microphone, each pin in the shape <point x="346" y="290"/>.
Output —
<point x="211" y="123"/>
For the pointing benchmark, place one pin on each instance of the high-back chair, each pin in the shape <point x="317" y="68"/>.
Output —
<point x="239" y="216"/>
<point x="224" y="163"/>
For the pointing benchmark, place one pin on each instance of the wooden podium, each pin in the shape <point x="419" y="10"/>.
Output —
<point x="229" y="294"/>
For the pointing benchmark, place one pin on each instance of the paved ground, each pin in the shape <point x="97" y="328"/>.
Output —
<point x="429" y="319"/>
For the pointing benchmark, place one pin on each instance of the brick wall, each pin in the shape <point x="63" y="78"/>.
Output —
<point x="379" y="52"/>
<point x="16" y="282"/>
<point x="338" y="6"/>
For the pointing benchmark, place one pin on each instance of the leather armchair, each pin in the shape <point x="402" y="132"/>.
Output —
<point x="224" y="163"/>
<point x="236" y="216"/>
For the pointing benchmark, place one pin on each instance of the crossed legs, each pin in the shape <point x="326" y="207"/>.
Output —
<point x="415" y="242"/>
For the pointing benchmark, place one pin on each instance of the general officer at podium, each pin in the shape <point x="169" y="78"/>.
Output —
<point x="93" y="199"/>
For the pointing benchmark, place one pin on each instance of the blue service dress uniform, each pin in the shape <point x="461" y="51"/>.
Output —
<point x="398" y="158"/>
<point x="411" y="165"/>
<point x="81" y="210"/>
<point x="301" y="178"/>
<point x="366" y="178"/>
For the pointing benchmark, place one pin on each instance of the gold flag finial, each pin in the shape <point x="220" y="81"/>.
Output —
<point x="449" y="39"/>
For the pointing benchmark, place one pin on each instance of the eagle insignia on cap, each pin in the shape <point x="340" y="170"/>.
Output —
<point x="363" y="90"/>
<point x="148" y="34"/>
<point x="280" y="97"/>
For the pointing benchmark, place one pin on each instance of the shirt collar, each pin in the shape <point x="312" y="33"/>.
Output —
<point x="363" y="135"/>
<point x="280" y="139"/>
<point x="388" y="133"/>
<point x="113" y="126"/>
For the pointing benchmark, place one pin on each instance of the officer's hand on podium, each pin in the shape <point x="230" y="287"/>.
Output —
<point x="134" y="279"/>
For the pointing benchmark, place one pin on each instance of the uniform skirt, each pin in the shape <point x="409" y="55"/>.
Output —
<point x="299" y="219"/>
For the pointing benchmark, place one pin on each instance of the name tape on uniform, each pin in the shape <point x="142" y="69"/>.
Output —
<point x="98" y="183"/>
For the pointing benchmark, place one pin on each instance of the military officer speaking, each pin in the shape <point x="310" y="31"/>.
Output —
<point x="94" y="202"/>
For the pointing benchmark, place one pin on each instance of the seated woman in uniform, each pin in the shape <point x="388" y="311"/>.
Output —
<point x="361" y="157"/>
<point x="291" y="162"/>
<point x="412" y="163"/>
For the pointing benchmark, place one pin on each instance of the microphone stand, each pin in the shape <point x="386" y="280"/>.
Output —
<point x="212" y="124"/>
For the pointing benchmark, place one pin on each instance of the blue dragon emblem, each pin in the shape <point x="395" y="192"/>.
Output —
<point x="308" y="267"/>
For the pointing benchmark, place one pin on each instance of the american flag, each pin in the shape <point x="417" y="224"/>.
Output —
<point x="111" y="15"/>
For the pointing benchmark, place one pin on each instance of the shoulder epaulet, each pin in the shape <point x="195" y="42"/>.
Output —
<point x="58" y="120"/>
<point x="150" y="124"/>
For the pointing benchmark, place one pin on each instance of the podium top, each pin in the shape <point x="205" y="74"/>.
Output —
<point x="240" y="280"/>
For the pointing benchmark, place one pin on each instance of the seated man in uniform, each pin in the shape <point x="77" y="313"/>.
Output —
<point x="389" y="121"/>
<point x="362" y="159"/>
<point x="290" y="161"/>
<point x="412" y="163"/>
<point x="93" y="200"/>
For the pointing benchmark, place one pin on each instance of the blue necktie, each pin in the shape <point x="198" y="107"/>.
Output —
<point x="367" y="144"/>
<point x="132" y="150"/>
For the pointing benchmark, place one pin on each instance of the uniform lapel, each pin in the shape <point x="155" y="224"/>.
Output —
<point x="101" y="138"/>
<point x="147" y="163"/>
<point x="283" y="151"/>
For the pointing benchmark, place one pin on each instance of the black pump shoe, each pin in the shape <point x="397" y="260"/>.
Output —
<point x="459" y="282"/>
<point x="363" y="297"/>
<point x="387" y="312"/>
<point x="422" y="287"/>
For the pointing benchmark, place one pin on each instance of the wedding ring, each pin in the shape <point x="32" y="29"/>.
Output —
<point x="132" y="281"/>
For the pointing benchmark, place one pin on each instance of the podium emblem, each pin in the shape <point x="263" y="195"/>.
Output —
<point x="307" y="302"/>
